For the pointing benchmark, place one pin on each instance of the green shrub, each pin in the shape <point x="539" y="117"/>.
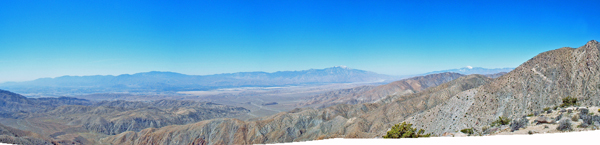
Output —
<point x="598" y="110"/>
<point x="569" y="101"/>
<point x="468" y="131"/>
<point x="501" y="121"/>
<point x="405" y="130"/>
<point x="547" y="108"/>
<point x="529" y="115"/>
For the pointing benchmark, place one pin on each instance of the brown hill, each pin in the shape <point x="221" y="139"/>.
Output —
<point x="343" y="120"/>
<point x="368" y="94"/>
<point x="538" y="83"/>
<point x="71" y="120"/>
<point x="15" y="136"/>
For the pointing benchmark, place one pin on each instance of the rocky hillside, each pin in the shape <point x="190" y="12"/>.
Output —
<point x="113" y="117"/>
<point x="470" y="101"/>
<point x="13" y="105"/>
<point x="496" y="75"/>
<point x="474" y="70"/>
<point x="343" y="120"/>
<point x="14" y="136"/>
<point x="70" y="120"/>
<point x="367" y="94"/>
<point x="538" y="83"/>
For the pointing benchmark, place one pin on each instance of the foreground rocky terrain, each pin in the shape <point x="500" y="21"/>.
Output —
<point x="538" y="83"/>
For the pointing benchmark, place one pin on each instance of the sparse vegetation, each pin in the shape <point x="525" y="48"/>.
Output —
<point x="405" y="130"/>
<point x="530" y="115"/>
<point x="501" y="121"/>
<point x="564" y="125"/>
<point x="518" y="124"/>
<point x="575" y="117"/>
<point x="569" y="101"/>
<point x="547" y="108"/>
<point x="468" y="131"/>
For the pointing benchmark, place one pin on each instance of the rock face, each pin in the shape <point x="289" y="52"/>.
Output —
<point x="343" y="120"/>
<point x="369" y="94"/>
<point x="538" y="83"/>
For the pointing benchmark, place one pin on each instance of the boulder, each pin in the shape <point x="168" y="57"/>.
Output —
<point x="543" y="119"/>
<point x="558" y="117"/>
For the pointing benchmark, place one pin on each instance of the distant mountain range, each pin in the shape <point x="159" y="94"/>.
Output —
<point x="170" y="81"/>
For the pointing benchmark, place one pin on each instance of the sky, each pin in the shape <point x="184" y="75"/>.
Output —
<point x="51" y="38"/>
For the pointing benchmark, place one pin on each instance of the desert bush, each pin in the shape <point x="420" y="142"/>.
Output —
<point x="547" y="108"/>
<point x="529" y="115"/>
<point x="583" y="125"/>
<point x="405" y="130"/>
<point x="501" y="121"/>
<point x="598" y="110"/>
<point x="518" y="124"/>
<point x="583" y="111"/>
<point x="564" y="125"/>
<point x="569" y="101"/>
<point x="575" y="117"/>
<point x="468" y="131"/>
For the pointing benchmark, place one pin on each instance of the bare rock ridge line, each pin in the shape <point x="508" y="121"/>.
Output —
<point x="342" y="120"/>
<point x="538" y="83"/>
<point x="365" y="94"/>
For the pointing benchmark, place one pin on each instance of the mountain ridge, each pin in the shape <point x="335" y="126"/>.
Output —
<point x="470" y="101"/>
<point x="157" y="81"/>
<point x="540" y="82"/>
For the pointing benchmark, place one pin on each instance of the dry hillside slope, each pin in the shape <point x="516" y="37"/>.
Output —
<point x="343" y="120"/>
<point x="538" y="83"/>
<point x="369" y="94"/>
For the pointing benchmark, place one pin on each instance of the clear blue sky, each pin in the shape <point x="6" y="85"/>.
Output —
<point x="54" y="38"/>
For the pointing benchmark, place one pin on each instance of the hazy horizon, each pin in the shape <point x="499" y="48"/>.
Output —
<point x="470" y="67"/>
<point x="81" y="38"/>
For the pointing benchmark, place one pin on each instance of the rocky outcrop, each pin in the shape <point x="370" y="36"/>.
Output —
<point x="538" y="83"/>
<point x="343" y="120"/>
